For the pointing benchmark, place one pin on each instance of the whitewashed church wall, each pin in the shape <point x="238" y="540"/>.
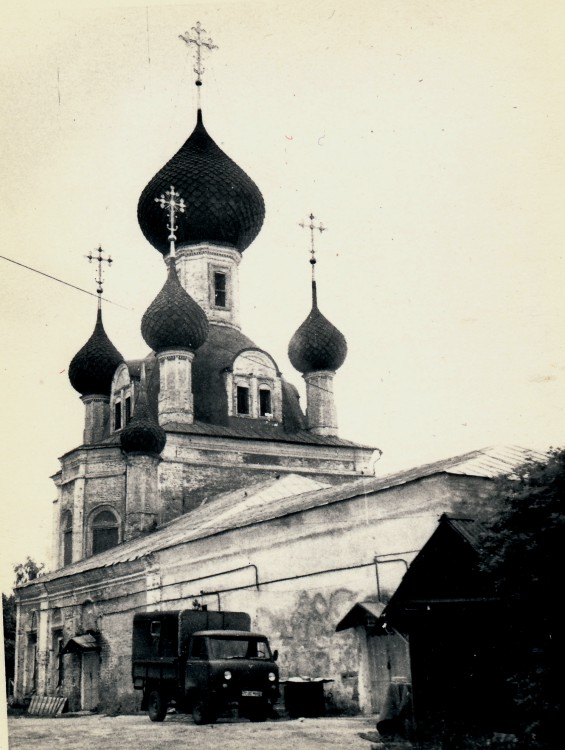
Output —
<point x="297" y="576"/>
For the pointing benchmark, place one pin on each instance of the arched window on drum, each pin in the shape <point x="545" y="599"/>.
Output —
<point x="105" y="528"/>
<point x="67" y="532"/>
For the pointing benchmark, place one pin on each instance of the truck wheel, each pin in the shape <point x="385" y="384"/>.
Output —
<point x="258" y="713"/>
<point x="203" y="713"/>
<point x="258" y="716"/>
<point x="157" y="706"/>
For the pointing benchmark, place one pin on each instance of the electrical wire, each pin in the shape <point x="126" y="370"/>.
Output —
<point x="66" y="283"/>
<point x="124" y="307"/>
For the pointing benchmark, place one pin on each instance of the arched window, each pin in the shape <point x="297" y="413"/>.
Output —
<point x="67" y="531"/>
<point x="254" y="387"/>
<point x="88" y="617"/>
<point x="57" y="648"/>
<point x="122" y="397"/>
<point x="105" y="531"/>
<point x="57" y="618"/>
<point x="31" y="654"/>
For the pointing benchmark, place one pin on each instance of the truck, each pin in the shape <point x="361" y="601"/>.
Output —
<point x="205" y="662"/>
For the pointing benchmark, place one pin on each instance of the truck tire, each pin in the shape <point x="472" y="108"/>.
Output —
<point x="157" y="706"/>
<point x="203" y="712"/>
<point x="258" y="712"/>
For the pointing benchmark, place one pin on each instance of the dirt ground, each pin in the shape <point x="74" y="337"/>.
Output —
<point x="99" y="732"/>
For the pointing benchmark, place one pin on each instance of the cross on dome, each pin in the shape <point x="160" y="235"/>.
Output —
<point x="311" y="226"/>
<point x="169" y="202"/>
<point x="199" y="42"/>
<point x="100" y="259"/>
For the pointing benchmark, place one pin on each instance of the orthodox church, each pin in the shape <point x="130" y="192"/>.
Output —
<point x="201" y="481"/>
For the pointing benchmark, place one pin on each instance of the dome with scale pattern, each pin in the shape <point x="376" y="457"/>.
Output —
<point x="142" y="434"/>
<point x="174" y="320"/>
<point x="223" y="205"/>
<point x="317" y="344"/>
<point x="92" y="368"/>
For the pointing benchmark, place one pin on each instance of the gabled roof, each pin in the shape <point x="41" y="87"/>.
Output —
<point x="360" y="613"/>
<point x="291" y="493"/>
<point x="446" y="571"/>
<point x="494" y="461"/>
<point x="468" y="528"/>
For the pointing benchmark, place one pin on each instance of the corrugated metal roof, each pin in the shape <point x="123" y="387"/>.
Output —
<point x="292" y="493"/>
<point x="495" y="461"/>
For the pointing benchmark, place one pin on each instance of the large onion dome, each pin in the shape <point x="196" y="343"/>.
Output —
<point x="317" y="344"/>
<point x="223" y="205"/>
<point x="142" y="434"/>
<point x="92" y="368"/>
<point x="174" y="320"/>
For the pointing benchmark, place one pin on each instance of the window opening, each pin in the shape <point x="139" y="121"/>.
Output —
<point x="219" y="289"/>
<point x="104" y="532"/>
<point x="67" y="538"/>
<point x="32" y="661"/>
<point x="58" y="658"/>
<point x="127" y="405"/>
<point x="242" y="400"/>
<point x="199" y="650"/>
<point x="265" y="402"/>
<point x="238" y="648"/>
<point x="117" y="415"/>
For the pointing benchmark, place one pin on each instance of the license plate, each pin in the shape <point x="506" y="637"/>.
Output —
<point x="251" y="694"/>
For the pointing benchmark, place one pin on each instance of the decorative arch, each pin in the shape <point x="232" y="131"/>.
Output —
<point x="254" y="386"/>
<point x="104" y="529"/>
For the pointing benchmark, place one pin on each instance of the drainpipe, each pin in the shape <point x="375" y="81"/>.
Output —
<point x="213" y="593"/>
<point x="381" y="562"/>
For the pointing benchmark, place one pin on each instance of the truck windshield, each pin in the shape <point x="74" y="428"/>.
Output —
<point x="239" y="648"/>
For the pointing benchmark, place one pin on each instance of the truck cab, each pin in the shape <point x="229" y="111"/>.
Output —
<point x="206" y="670"/>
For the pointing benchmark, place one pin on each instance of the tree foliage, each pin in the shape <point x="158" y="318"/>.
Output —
<point x="9" y="624"/>
<point x="27" y="571"/>
<point x="522" y="551"/>
<point x="24" y="572"/>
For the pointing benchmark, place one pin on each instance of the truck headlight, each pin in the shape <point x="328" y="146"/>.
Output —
<point x="227" y="675"/>
<point x="272" y="677"/>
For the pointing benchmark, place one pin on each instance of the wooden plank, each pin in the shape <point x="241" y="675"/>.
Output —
<point x="46" y="705"/>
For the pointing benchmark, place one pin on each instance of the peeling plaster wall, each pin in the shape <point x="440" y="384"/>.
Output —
<point x="297" y="576"/>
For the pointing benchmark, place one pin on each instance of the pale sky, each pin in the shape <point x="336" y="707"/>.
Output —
<point x="427" y="136"/>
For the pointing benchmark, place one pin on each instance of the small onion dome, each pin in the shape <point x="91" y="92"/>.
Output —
<point x="223" y="205"/>
<point x="142" y="434"/>
<point x="317" y="345"/>
<point x="92" y="368"/>
<point x="174" y="319"/>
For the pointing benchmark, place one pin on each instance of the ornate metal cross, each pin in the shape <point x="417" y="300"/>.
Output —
<point x="199" y="42"/>
<point x="311" y="226"/>
<point x="99" y="278"/>
<point x="169" y="202"/>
